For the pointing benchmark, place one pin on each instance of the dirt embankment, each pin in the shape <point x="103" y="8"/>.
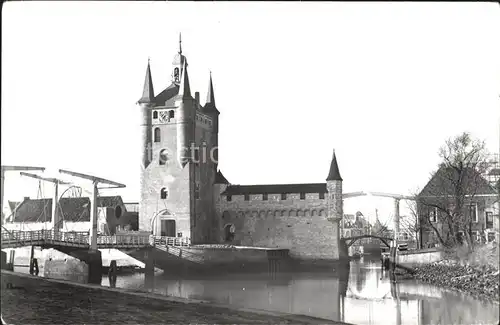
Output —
<point x="476" y="274"/>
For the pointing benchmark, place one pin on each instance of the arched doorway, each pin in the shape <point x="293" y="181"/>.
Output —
<point x="167" y="228"/>
<point x="229" y="231"/>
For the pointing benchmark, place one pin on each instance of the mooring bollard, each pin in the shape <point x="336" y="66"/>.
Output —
<point x="112" y="273"/>
<point x="35" y="266"/>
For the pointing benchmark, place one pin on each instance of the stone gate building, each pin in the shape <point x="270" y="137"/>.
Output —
<point x="183" y="194"/>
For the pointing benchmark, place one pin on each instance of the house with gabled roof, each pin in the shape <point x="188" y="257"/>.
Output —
<point x="481" y="206"/>
<point x="74" y="212"/>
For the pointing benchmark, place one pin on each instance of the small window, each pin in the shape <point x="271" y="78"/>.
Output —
<point x="229" y="198"/>
<point x="163" y="157"/>
<point x="210" y="123"/>
<point x="196" y="154"/>
<point x="472" y="212"/>
<point x="489" y="219"/>
<point x="197" y="191"/>
<point x="164" y="193"/>
<point x="432" y="215"/>
<point x="302" y="196"/>
<point x="118" y="212"/>
<point x="155" y="114"/>
<point x="322" y="196"/>
<point x="171" y="114"/>
<point x="283" y="196"/>
<point x="157" y="135"/>
<point x="264" y="197"/>
<point x="247" y="197"/>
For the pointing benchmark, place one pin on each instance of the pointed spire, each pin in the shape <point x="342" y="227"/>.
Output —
<point x="210" y="107"/>
<point x="180" y="43"/>
<point x="148" y="94"/>
<point x="334" y="174"/>
<point x="220" y="179"/>
<point x="184" y="90"/>
<point x="210" y="94"/>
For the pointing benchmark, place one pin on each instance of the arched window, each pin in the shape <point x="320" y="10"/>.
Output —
<point x="229" y="232"/>
<point x="157" y="135"/>
<point x="163" y="193"/>
<point x="155" y="114"/>
<point x="118" y="212"/>
<point x="171" y="114"/>
<point x="163" y="157"/>
<point x="176" y="74"/>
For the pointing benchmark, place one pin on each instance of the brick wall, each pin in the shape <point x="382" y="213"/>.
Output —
<point x="174" y="178"/>
<point x="204" y="176"/>
<point x="299" y="225"/>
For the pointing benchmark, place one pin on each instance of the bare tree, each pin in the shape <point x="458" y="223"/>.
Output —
<point x="452" y="188"/>
<point x="410" y="223"/>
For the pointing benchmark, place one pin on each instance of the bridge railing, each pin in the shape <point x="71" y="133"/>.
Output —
<point x="27" y="237"/>
<point x="38" y="235"/>
<point x="125" y="239"/>
<point x="172" y="241"/>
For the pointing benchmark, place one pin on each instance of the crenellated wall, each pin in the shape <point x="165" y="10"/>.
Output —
<point x="300" y="225"/>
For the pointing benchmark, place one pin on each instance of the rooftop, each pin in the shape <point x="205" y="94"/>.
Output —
<point x="275" y="189"/>
<point x="73" y="209"/>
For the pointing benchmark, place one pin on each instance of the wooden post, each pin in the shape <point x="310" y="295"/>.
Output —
<point x="55" y="210"/>
<point x="394" y="253"/>
<point x="93" y="218"/>
<point x="32" y="257"/>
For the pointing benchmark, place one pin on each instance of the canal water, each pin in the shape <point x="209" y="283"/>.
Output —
<point x="365" y="296"/>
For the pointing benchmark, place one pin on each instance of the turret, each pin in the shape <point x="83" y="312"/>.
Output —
<point x="334" y="188"/>
<point x="335" y="202"/>
<point x="178" y="64"/>
<point x="146" y="103"/>
<point x="211" y="109"/>
<point x="185" y="119"/>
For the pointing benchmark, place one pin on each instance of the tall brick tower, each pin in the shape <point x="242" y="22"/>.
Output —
<point x="334" y="188"/>
<point x="177" y="177"/>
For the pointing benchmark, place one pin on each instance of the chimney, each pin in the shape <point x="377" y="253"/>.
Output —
<point x="26" y="198"/>
<point x="197" y="99"/>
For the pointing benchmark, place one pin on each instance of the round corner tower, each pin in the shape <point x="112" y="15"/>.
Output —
<point x="335" y="201"/>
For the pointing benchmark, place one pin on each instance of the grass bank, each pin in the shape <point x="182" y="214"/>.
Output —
<point x="33" y="300"/>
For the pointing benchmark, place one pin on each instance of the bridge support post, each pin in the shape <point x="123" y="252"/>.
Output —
<point x="149" y="271"/>
<point x="12" y="258"/>
<point x="93" y="218"/>
<point x="55" y="211"/>
<point x="4" y="260"/>
<point x="94" y="262"/>
<point x="343" y="249"/>
<point x="32" y="258"/>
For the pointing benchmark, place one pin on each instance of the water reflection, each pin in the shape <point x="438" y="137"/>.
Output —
<point x="365" y="295"/>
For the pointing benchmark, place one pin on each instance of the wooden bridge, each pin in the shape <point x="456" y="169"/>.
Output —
<point x="80" y="240"/>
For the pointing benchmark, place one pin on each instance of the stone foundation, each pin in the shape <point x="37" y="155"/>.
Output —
<point x="70" y="268"/>
<point x="419" y="257"/>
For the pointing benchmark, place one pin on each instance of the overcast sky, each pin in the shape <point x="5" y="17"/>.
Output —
<point x="385" y="84"/>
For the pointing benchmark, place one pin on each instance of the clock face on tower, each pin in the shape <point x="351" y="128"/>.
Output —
<point x="163" y="117"/>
